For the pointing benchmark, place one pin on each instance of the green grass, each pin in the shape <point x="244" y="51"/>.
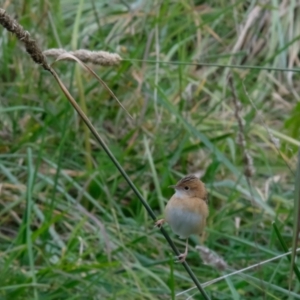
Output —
<point x="70" y="226"/>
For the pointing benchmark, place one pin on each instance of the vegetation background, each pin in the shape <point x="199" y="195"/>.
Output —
<point x="70" y="226"/>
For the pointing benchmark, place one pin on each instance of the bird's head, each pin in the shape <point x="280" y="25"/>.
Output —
<point x="190" y="186"/>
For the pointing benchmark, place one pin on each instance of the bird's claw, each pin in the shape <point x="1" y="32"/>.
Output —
<point x="159" y="223"/>
<point x="180" y="258"/>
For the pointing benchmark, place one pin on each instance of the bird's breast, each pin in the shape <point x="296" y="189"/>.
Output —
<point x="184" y="222"/>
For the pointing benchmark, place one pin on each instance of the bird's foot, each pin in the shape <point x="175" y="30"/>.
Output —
<point x="181" y="257"/>
<point x="159" y="223"/>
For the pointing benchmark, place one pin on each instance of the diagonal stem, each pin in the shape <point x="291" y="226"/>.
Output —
<point x="126" y="177"/>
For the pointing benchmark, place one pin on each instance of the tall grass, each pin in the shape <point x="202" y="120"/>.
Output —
<point x="71" y="228"/>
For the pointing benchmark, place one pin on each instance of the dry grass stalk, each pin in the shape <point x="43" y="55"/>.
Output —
<point x="253" y="15"/>
<point x="31" y="46"/>
<point x="275" y="141"/>
<point x="102" y="58"/>
<point x="241" y="141"/>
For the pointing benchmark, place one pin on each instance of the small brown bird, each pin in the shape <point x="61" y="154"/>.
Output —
<point x="187" y="210"/>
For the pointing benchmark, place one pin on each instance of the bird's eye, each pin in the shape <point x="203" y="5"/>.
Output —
<point x="186" y="188"/>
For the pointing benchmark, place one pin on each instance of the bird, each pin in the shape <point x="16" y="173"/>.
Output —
<point x="187" y="210"/>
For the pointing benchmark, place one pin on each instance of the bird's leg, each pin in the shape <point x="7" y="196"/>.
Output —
<point x="203" y="237"/>
<point x="182" y="256"/>
<point x="159" y="223"/>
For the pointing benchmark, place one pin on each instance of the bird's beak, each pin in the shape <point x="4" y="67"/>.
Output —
<point x="172" y="186"/>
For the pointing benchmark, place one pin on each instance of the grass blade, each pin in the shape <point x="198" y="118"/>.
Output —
<point x="285" y="248"/>
<point x="296" y="229"/>
<point x="29" y="206"/>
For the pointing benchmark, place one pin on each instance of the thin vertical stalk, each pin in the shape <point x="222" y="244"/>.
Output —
<point x="285" y="248"/>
